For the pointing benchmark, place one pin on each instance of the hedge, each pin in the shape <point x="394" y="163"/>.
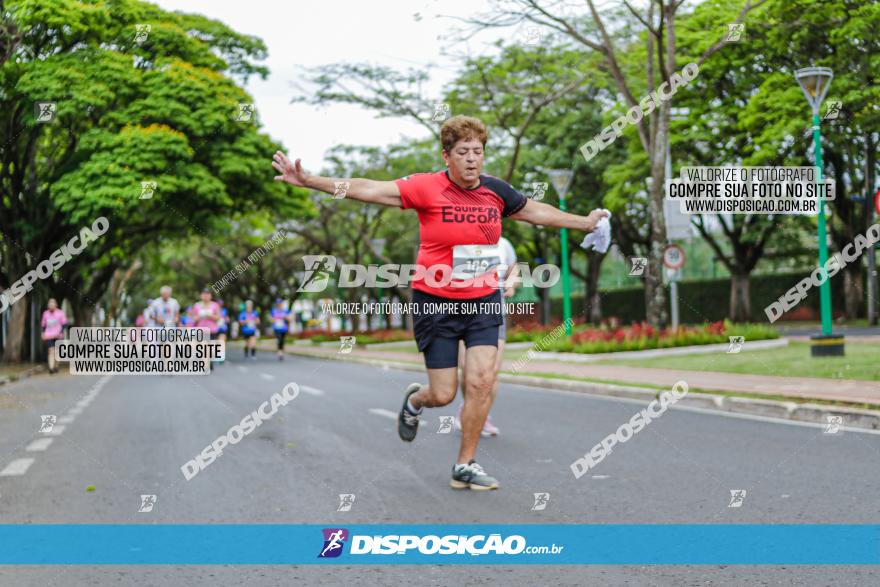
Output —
<point x="706" y="300"/>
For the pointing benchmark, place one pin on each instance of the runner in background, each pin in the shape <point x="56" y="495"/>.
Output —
<point x="164" y="310"/>
<point x="510" y="271"/>
<point x="52" y="324"/>
<point x="206" y="314"/>
<point x="280" y="325"/>
<point x="249" y="324"/>
<point x="186" y="320"/>
<point x="223" y="330"/>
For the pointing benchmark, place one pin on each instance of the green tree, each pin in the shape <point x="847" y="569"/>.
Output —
<point x="611" y="35"/>
<point x="131" y="104"/>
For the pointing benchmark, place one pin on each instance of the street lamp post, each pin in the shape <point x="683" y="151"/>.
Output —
<point x="561" y="179"/>
<point x="377" y="245"/>
<point x="815" y="81"/>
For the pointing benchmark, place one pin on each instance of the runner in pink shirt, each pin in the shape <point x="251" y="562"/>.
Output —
<point x="52" y="323"/>
<point x="206" y="314"/>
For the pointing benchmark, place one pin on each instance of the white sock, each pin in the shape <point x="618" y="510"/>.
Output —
<point x="412" y="408"/>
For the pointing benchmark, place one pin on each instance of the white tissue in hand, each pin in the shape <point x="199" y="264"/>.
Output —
<point x="600" y="238"/>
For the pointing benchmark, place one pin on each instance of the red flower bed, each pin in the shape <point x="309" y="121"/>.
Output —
<point x="610" y="331"/>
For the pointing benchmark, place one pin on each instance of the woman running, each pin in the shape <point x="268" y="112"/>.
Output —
<point x="280" y="325"/>
<point x="460" y="211"/>
<point x="52" y="323"/>
<point x="206" y="314"/>
<point x="249" y="323"/>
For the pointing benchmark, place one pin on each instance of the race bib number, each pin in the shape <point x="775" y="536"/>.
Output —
<point x="470" y="261"/>
<point x="279" y="323"/>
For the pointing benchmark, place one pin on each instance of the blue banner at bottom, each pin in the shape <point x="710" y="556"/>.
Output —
<point x="727" y="544"/>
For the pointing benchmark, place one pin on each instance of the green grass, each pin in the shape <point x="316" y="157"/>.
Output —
<point x="659" y="388"/>
<point x="788" y="325"/>
<point x="862" y="361"/>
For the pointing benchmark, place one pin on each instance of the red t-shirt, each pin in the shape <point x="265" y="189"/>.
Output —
<point x="450" y="215"/>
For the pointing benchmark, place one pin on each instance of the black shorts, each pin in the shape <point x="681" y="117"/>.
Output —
<point x="437" y="333"/>
<point x="280" y="335"/>
<point x="50" y="343"/>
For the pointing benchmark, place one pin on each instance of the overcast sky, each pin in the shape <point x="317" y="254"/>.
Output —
<point x="329" y="31"/>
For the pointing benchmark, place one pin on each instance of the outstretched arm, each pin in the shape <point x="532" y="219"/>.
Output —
<point x="385" y="193"/>
<point x="541" y="214"/>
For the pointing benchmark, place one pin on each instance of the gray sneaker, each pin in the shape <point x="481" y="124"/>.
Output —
<point x="471" y="476"/>
<point x="408" y="422"/>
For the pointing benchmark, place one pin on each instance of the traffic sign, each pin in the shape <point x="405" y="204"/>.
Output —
<point x="877" y="201"/>
<point x="678" y="225"/>
<point x="673" y="257"/>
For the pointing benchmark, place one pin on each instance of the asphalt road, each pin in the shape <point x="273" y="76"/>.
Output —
<point x="339" y="437"/>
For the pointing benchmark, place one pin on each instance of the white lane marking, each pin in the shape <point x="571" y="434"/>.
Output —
<point x="601" y="476"/>
<point x="39" y="444"/>
<point x="16" y="467"/>
<point x="66" y="419"/>
<point x="242" y="369"/>
<point x="389" y="414"/>
<point x="267" y="377"/>
<point x="75" y="411"/>
<point x="56" y="430"/>
<point x="311" y="390"/>
<point x="83" y="403"/>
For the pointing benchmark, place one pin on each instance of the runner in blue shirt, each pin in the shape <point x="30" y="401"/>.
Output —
<point x="249" y="324"/>
<point x="280" y="325"/>
<point x="185" y="320"/>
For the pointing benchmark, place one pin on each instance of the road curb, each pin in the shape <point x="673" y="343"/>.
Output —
<point x="698" y="349"/>
<point x="787" y="410"/>
<point x="4" y="379"/>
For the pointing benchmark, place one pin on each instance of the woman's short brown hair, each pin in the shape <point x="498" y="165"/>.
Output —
<point x="460" y="128"/>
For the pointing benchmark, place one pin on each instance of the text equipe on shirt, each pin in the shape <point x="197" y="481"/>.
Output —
<point x="470" y="214"/>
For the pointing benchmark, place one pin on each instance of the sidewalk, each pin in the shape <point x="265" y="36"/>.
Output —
<point x="801" y="388"/>
<point x="10" y="373"/>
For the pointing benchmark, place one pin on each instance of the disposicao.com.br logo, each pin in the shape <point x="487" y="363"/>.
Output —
<point x="334" y="540"/>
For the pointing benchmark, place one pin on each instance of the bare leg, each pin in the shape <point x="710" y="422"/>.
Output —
<point x="496" y="370"/>
<point x="51" y="358"/>
<point x="462" y="362"/>
<point x="479" y="379"/>
<point x="498" y="359"/>
<point x="440" y="391"/>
